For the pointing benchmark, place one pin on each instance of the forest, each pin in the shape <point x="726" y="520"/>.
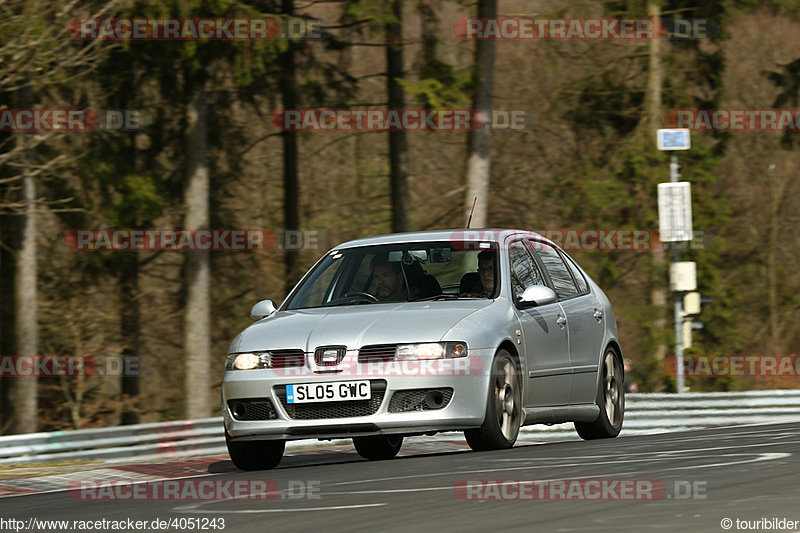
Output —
<point x="279" y="134"/>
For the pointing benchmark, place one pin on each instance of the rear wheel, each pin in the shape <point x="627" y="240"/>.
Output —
<point x="503" y="409"/>
<point x="378" y="447"/>
<point x="255" y="454"/>
<point x="610" y="399"/>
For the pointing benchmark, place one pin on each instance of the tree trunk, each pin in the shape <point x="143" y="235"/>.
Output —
<point x="654" y="121"/>
<point x="773" y="344"/>
<point x="398" y="147"/>
<point x="7" y="344"/>
<point x="130" y="320"/>
<point x="778" y="183"/>
<point x="655" y="74"/>
<point x="197" y="343"/>
<point x="291" y="188"/>
<point x="130" y="324"/>
<point x="25" y="294"/>
<point x="479" y="140"/>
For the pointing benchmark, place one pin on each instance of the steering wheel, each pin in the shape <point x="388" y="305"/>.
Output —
<point x="365" y="296"/>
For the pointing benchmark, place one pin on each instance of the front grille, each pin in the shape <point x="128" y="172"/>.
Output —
<point x="252" y="409"/>
<point x="346" y="409"/>
<point x="420" y="400"/>
<point x="376" y="353"/>
<point x="287" y="358"/>
<point x="338" y="354"/>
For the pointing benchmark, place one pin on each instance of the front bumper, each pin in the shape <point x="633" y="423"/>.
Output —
<point x="400" y="404"/>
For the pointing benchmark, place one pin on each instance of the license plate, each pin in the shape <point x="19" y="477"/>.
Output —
<point x="337" y="391"/>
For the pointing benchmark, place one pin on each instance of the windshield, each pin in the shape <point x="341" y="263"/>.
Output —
<point x="399" y="273"/>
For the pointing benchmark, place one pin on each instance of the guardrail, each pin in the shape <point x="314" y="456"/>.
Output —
<point x="182" y="438"/>
<point x="650" y="413"/>
<point x="644" y="414"/>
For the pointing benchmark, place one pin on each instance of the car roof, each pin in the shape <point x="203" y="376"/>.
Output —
<point x="458" y="235"/>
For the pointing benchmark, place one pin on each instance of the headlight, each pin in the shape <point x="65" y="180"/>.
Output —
<point x="431" y="350"/>
<point x="247" y="361"/>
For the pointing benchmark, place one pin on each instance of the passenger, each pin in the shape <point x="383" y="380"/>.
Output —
<point x="486" y="266"/>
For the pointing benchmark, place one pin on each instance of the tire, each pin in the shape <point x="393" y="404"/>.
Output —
<point x="255" y="454"/>
<point x="610" y="400"/>
<point x="503" y="407"/>
<point x="378" y="447"/>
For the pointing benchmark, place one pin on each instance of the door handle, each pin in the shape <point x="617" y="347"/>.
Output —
<point x="561" y="321"/>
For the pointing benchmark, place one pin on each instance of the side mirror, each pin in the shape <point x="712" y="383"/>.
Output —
<point x="537" y="295"/>
<point x="262" y="309"/>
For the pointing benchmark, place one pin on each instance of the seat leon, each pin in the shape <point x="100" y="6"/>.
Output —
<point x="480" y="331"/>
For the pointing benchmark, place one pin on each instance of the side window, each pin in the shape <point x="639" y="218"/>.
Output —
<point x="583" y="285"/>
<point x="524" y="272"/>
<point x="562" y="279"/>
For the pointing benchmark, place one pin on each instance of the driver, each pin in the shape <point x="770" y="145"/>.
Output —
<point x="390" y="284"/>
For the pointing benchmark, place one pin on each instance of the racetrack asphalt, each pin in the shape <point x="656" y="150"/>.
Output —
<point x="684" y="481"/>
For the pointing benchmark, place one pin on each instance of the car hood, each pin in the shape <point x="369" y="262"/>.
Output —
<point x="356" y="326"/>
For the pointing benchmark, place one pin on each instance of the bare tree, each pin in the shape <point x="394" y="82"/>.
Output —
<point x="655" y="75"/>
<point x="652" y="121"/>
<point x="130" y="329"/>
<point x="398" y="147"/>
<point x="291" y="187"/>
<point x="32" y="34"/>
<point x="478" y="166"/>
<point x="25" y="290"/>
<point x="197" y="344"/>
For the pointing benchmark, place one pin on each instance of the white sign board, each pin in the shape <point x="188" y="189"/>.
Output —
<point x="683" y="276"/>
<point x="675" y="211"/>
<point x="674" y="139"/>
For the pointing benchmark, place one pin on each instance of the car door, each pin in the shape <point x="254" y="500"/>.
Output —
<point x="544" y="335"/>
<point x="585" y="321"/>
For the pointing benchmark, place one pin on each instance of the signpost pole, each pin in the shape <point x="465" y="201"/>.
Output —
<point x="675" y="224"/>
<point x="673" y="178"/>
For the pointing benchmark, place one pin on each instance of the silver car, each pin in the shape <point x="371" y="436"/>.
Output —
<point x="480" y="331"/>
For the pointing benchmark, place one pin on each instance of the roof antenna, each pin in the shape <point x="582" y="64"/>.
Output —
<point x="475" y="201"/>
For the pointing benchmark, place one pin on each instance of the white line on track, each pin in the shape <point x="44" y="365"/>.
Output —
<point x="762" y="457"/>
<point x="583" y="464"/>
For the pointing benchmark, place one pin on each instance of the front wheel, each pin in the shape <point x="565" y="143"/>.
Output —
<point x="255" y="454"/>
<point x="610" y="399"/>
<point x="378" y="447"/>
<point x="503" y="409"/>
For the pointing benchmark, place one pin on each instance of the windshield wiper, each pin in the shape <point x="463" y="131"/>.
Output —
<point x="351" y="302"/>
<point x="444" y="297"/>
